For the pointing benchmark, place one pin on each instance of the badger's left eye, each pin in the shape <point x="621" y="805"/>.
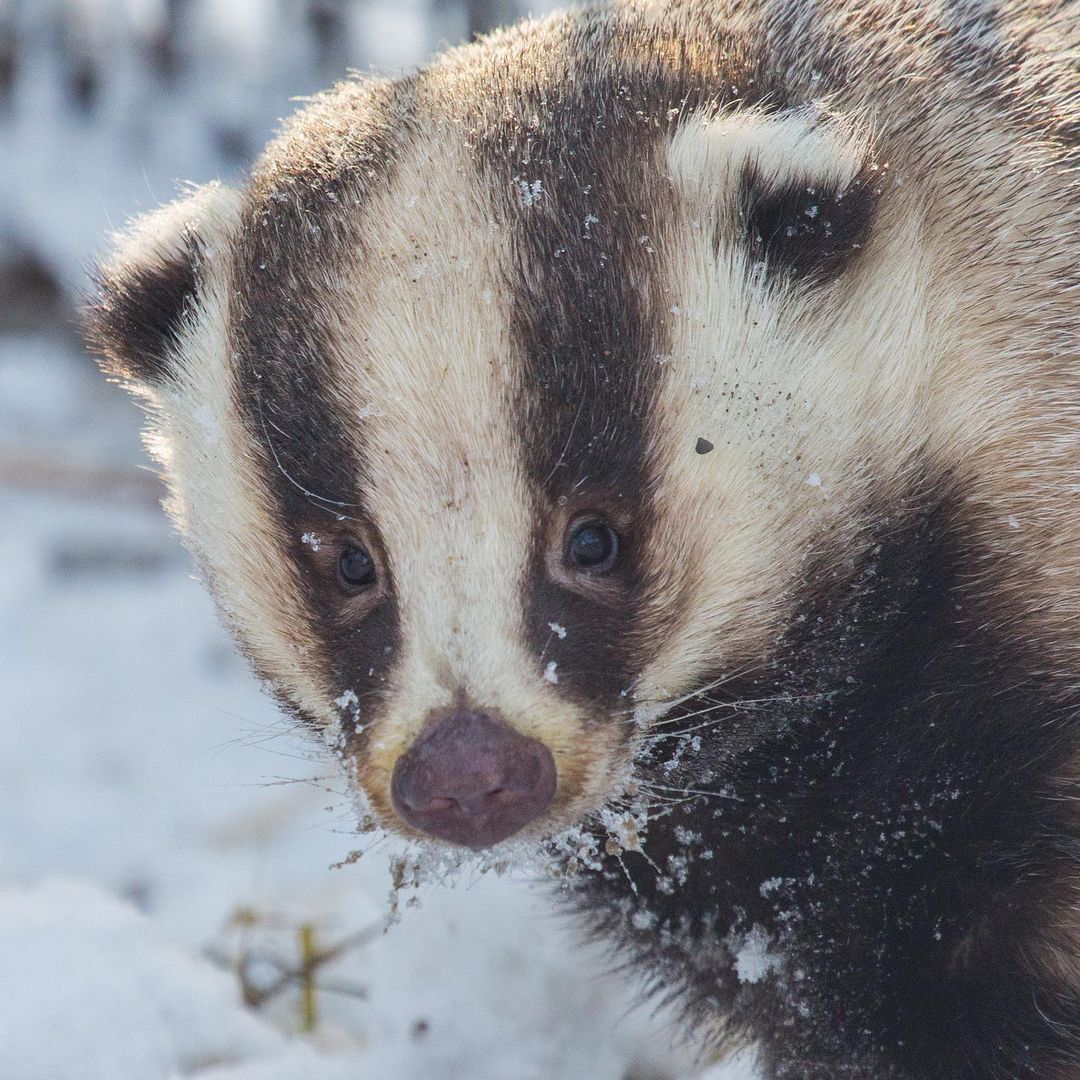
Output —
<point x="592" y="546"/>
<point x="356" y="568"/>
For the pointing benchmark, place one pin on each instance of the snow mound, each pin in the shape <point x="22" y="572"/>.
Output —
<point x="298" y="1062"/>
<point x="92" y="991"/>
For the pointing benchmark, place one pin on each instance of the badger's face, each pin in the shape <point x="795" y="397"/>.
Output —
<point x="511" y="401"/>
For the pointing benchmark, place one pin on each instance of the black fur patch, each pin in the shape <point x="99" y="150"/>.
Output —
<point x="585" y="332"/>
<point x="808" y="230"/>
<point x="855" y="856"/>
<point x="298" y="239"/>
<point x="138" y="312"/>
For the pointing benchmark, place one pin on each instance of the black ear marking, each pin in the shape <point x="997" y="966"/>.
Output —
<point x="809" y="230"/>
<point x="139" y="309"/>
<point x="150" y="284"/>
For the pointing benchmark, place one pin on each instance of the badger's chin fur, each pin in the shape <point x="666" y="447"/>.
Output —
<point x="647" y="439"/>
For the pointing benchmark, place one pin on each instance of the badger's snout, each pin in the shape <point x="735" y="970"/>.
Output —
<point x="472" y="780"/>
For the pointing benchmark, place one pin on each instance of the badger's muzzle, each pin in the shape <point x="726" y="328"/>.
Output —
<point x="472" y="780"/>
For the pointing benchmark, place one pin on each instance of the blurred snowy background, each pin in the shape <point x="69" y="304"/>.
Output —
<point x="169" y="905"/>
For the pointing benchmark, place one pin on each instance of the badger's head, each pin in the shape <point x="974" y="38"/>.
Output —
<point x="513" y="401"/>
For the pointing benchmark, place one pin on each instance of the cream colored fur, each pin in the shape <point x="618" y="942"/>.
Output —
<point x="209" y="460"/>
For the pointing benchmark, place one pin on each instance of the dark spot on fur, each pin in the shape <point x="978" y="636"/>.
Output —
<point x="703" y="446"/>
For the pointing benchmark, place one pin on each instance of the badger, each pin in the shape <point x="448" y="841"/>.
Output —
<point x="649" y="435"/>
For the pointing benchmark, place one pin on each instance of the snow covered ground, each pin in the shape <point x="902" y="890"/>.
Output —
<point x="160" y="824"/>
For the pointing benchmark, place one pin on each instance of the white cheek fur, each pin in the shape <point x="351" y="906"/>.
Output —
<point x="215" y="495"/>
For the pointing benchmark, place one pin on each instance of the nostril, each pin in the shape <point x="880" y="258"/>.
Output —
<point x="473" y="780"/>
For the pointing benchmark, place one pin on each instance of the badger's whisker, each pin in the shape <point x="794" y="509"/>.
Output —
<point x="666" y="706"/>
<point x="750" y="704"/>
<point x="653" y="786"/>
<point x="309" y="495"/>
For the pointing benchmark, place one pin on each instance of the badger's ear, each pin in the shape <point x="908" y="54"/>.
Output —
<point x="148" y="288"/>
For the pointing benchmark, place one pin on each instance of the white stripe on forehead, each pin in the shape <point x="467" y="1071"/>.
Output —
<point x="215" y="494"/>
<point x="713" y="150"/>
<point x="428" y="375"/>
<point x="792" y="388"/>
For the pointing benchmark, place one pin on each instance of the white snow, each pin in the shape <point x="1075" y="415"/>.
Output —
<point x="530" y="190"/>
<point x="550" y="674"/>
<point x="91" y="988"/>
<point x="753" y="959"/>
<point x="348" y="699"/>
<point x="770" y="885"/>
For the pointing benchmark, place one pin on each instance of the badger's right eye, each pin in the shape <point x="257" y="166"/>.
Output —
<point x="592" y="546"/>
<point x="355" y="568"/>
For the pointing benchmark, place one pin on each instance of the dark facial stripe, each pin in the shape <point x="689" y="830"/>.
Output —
<point x="809" y="231"/>
<point x="302" y="235"/>
<point x="585" y="324"/>
<point x="578" y="169"/>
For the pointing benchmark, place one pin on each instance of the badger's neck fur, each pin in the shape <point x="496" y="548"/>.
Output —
<point x="854" y="862"/>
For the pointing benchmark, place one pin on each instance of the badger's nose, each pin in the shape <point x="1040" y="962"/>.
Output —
<point x="472" y="780"/>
